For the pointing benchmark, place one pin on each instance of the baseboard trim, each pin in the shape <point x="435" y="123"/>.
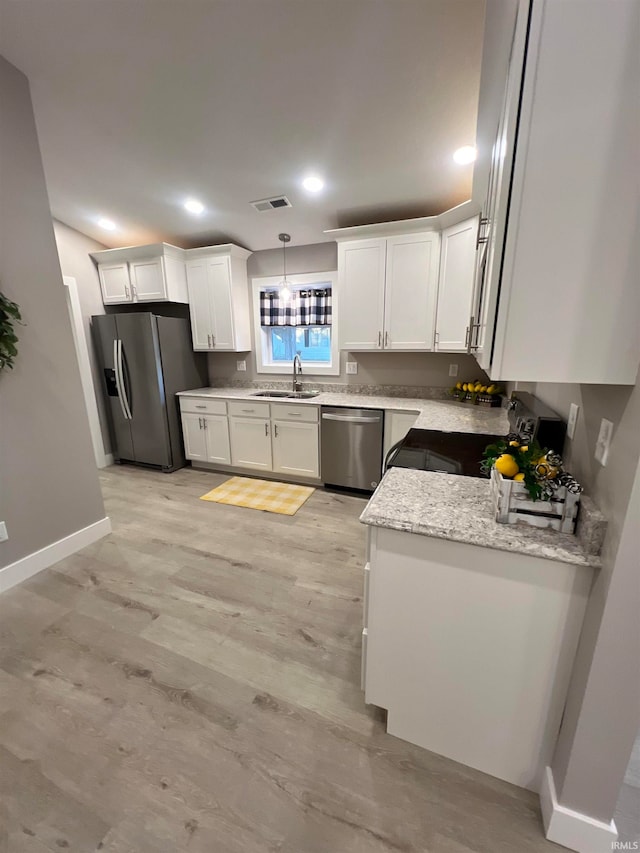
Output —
<point x="573" y="829"/>
<point x="30" y="565"/>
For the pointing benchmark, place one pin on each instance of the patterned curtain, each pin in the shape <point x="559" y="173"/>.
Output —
<point x="304" y="308"/>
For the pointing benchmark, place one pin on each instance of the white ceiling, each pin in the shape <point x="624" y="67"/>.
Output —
<point x="141" y="103"/>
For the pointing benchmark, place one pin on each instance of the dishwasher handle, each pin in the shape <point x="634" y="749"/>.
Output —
<point x="351" y="419"/>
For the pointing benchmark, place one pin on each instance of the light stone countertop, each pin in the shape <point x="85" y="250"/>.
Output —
<point x="445" y="415"/>
<point x="448" y="506"/>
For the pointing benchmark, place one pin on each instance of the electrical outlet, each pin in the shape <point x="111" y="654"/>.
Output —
<point x="241" y="365"/>
<point x="3" y="532"/>
<point x="453" y="370"/>
<point x="352" y="367"/>
<point x="603" y="442"/>
<point x="573" y="417"/>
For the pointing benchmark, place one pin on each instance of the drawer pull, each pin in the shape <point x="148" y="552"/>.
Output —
<point x="248" y="411"/>
<point x="201" y="407"/>
<point x="294" y="414"/>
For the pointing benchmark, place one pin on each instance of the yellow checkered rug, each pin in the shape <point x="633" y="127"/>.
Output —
<point x="283" y="498"/>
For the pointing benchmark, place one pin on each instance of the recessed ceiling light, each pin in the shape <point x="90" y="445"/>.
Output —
<point x="107" y="224"/>
<point x="313" y="184"/>
<point x="194" y="206"/>
<point x="466" y="154"/>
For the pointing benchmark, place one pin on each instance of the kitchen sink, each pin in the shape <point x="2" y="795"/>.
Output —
<point x="298" y="395"/>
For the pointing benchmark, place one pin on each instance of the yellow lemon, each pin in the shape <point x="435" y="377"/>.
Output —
<point x="507" y="465"/>
<point x="514" y="444"/>
<point x="492" y="389"/>
<point x="519" y="477"/>
<point x="524" y="448"/>
<point x="478" y="386"/>
<point x="459" y="386"/>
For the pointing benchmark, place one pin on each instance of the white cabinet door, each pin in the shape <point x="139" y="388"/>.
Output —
<point x="411" y="287"/>
<point x="361" y="276"/>
<point x="114" y="283"/>
<point x="216" y="428"/>
<point x="148" y="280"/>
<point x="295" y="448"/>
<point x="199" y="306"/>
<point x="250" y="443"/>
<point x="455" y="287"/>
<point x="195" y="437"/>
<point x="396" y="426"/>
<point x="219" y="277"/>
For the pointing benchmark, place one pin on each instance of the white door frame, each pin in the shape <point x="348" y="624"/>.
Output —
<point x="86" y="376"/>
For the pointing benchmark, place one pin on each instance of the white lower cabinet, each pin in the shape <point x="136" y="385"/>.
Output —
<point x="295" y="448"/>
<point x="206" y="438"/>
<point x="195" y="439"/>
<point x="216" y="428"/>
<point x="250" y="442"/>
<point x="396" y="426"/>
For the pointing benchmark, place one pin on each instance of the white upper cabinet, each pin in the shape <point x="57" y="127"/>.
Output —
<point x="559" y="300"/>
<point x="361" y="285"/>
<point x="410" y="293"/>
<point x="154" y="273"/>
<point x="455" y="286"/>
<point x="115" y="283"/>
<point x="387" y="292"/>
<point x="219" y="298"/>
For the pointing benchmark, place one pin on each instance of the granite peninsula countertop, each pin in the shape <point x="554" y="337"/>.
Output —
<point x="445" y="415"/>
<point x="448" y="506"/>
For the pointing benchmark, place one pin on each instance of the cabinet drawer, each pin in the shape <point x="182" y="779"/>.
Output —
<point x="248" y="409"/>
<point x="203" y="406"/>
<point x="289" y="411"/>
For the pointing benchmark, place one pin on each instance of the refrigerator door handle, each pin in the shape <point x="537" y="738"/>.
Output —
<point x="124" y="402"/>
<point x="116" y="370"/>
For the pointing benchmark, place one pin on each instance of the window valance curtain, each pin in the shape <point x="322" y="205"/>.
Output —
<point x="311" y="307"/>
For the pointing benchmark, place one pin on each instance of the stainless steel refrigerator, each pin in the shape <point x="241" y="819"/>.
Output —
<point x="144" y="360"/>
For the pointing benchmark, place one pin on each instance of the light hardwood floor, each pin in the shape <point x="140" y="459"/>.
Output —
<point x="191" y="683"/>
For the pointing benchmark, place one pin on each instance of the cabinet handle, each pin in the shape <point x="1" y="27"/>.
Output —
<point x="126" y="291"/>
<point x="200" y="422"/>
<point x="294" y="414"/>
<point x="275" y="430"/>
<point x="386" y="339"/>
<point x="200" y="407"/>
<point x="266" y="429"/>
<point x="248" y="411"/>
<point x="379" y="340"/>
<point x="213" y="340"/>
<point x="436" y="340"/>
<point x="480" y="237"/>
<point x="204" y="423"/>
<point x="467" y="339"/>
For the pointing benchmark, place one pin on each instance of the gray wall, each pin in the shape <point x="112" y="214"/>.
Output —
<point x="73" y="252"/>
<point x="48" y="480"/>
<point x="600" y="723"/>
<point x="375" y="368"/>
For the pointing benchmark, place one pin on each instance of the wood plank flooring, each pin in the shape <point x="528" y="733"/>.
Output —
<point x="191" y="683"/>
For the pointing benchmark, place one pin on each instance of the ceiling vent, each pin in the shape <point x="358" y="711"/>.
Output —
<point x="270" y="203"/>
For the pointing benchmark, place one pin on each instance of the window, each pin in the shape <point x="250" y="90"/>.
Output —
<point x="313" y="343"/>
<point x="281" y="332"/>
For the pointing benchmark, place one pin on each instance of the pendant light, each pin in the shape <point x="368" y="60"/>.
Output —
<point x="285" y="290"/>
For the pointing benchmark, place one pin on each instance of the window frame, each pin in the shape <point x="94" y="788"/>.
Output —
<point x="300" y="281"/>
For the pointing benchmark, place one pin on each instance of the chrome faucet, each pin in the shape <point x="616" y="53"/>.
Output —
<point x="297" y="385"/>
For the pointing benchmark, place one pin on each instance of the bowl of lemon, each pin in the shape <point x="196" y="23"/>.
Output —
<point x="477" y="392"/>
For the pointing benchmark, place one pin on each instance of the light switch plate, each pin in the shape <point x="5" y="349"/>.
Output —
<point x="241" y="365"/>
<point x="573" y="417"/>
<point x="3" y="532"/>
<point x="453" y="370"/>
<point x="603" y="442"/>
<point x="352" y="367"/>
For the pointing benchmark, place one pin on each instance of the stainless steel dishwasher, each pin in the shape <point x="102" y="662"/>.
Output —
<point x="351" y="447"/>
